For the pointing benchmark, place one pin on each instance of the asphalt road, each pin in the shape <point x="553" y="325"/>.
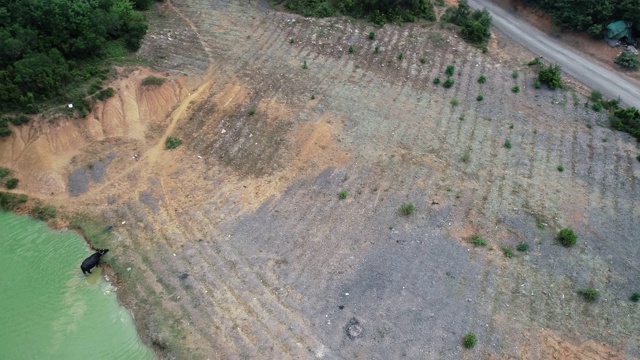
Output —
<point x="609" y="83"/>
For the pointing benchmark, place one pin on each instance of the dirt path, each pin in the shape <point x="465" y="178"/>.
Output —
<point x="581" y="68"/>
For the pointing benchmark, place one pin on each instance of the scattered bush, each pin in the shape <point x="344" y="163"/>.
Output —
<point x="511" y="126"/>
<point x="478" y="241"/>
<point x="172" y="142"/>
<point x="523" y="246"/>
<point x="515" y="74"/>
<point x="590" y="294"/>
<point x="304" y="65"/>
<point x="515" y="89"/>
<point x="507" y="252"/>
<point x="475" y="24"/>
<point x="11" y="183"/>
<point x="595" y="96"/>
<point x="372" y="36"/>
<point x="351" y="49"/>
<point x="9" y="201"/>
<point x="376" y="49"/>
<point x="466" y="156"/>
<point x="628" y="60"/>
<point x="400" y="56"/>
<point x="550" y="75"/>
<point x="436" y="81"/>
<point x="292" y="41"/>
<point x="455" y="102"/>
<point x="470" y="340"/>
<point x="479" y="98"/>
<point x="342" y="194"/>
<point x="4" y="172"/>
<point x="482" y="79"/>
<point x="560" y="168"/>
<point x="627" y="120"/>
<point x="407" y="209"/>
<point x="635" y="297"/>
<point x="152" y="80"/>
<point x="507" y="144"/>
<point x="537" y="84"/>
<point x="423" y="60"/>
<point x="596" y="106"/>
<point x="44" y="212"/>
<point x="448" y="83"/>
<point x="251" y="112"/>
<point x="567" y="237"/>
<point x="450" y="70"/>
<point x="103" y="94"/>
<point x="535" y="61"/>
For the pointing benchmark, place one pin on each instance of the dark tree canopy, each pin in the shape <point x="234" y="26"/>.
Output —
<point x="43" y="41"/>
<point x="378" y="11"/>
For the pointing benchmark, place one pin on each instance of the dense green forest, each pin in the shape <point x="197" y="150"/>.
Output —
<point x="590" y="15"/>
<point x="377" y="11"/>
<point x="46" y="45"/>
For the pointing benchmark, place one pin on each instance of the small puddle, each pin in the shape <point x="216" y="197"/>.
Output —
<point x="48" y="308"/>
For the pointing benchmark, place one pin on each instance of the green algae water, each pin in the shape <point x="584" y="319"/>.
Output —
<point x="48" y="308"/>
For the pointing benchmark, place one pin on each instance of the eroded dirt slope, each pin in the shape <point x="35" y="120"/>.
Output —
<point x="236" y="245"/>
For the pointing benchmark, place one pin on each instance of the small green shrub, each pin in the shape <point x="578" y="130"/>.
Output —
<point x="515" y="74"/>
<point x="11" y="183"/>
<point x="523" y="246"/>
<point x="466" y="156"/>
<point x="479" y="98"/>
<point x="455" y="102"/>
<point x="590" y="294"/>
<point x="4" y="172"/>
<point x="515" y="89"/>
<point x="252" y="111"/>
<point x="567" y="237"/>
<point x="470" y="340"/>
<point x="313" y="96"/>
<point x="635" y="297"/>
<point x="511" y="126"/>
<point x="342" y="194"/>
<point x="376" y="49"/>
<point x="628" y="60"/>
<point x="560" y="168"/>
<point x="535" y="61"/>
<point x="540" y="224"/>
<point x="351" y="49"/>
<point x="44" y="212"/>
<point x="478" y="241"/>
<point x="596" y="106"/>
<point x="595" y="96"/>
<point x="423" y="60"/>
<point x="152" y="80"/>
<point x="507" y="252"/>
<point x="550" y="75"/>
<point x="9" y="201"/>
<point x="407" y="209"/>
<point x="450" y="70"/>
<point x="448" y="83"/>
<point x="172" y="142"/>
<point x="638" y="157"/>
<point x="372" y="36"/>
<point x="507" y="144"/>
<point x="401" y="56"/>
<point x="482" y="79"/>
<point x="292" y="41"/>
<point x="536" y="84"/>
<point x="436" y="81"/>
<point x="104" y="94"/>
<point x="304" y="65"/>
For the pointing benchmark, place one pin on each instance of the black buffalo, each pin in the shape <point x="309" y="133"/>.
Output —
<point x="92" y="261"/>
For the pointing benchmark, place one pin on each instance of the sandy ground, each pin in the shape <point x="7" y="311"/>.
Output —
<point x="236" y="244"/>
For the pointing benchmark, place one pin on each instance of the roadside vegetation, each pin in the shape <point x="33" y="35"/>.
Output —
<point x="378" y="12"/>
<point x="474" y="25"/>
<point x="627" y="60"/>
<point x="59" y="49"/>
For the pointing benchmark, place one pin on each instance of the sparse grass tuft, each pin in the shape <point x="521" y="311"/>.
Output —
<point x="567" y="237"/>
<point x="560" y="168"/>
<point x="376" y="49"/>
<point x="540" y="224"/>
<point x="449" y="83"/>
<point x="536" y="84"/>
<point x="304" y="65"/>
<point x="635" y="297"/>
<point x="535" y="61"/>
<point x="423" y="60"/>
<point x="251" y="112"/>
<point x="507" y="252"/>
<point x="436" y="81"/>
<point x="44" y="212"/>
<point x="478" y="241"/>
<point x="450" y="70"/>
<point x="466" y="156"/>
<point x="351" y="49"/>
<point x="454" y="102"/>
<point x="515" y="74"/>
<point x="479" y="98"/>
<point x="401" y="56"/>
<point x="172" y="142"/>
<point x="590" y="294"/>
<point x="372" y="36"/>
<point x="482" y="79"/>
<point x="313" y="96"/>
<point x="511" y="126"/>
<point x="507" y="144"/>
<point x="470" y="340"/>
<point x="515" y="89"/>
<point x="407" y="209"/>
<point x="523" y="246"/>
<point x="343" y="194"/>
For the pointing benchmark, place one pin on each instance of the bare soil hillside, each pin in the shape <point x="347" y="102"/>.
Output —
<point x="236" y="244"/>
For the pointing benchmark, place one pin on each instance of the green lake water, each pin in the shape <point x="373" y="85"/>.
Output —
<point x="48" y="308"/>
